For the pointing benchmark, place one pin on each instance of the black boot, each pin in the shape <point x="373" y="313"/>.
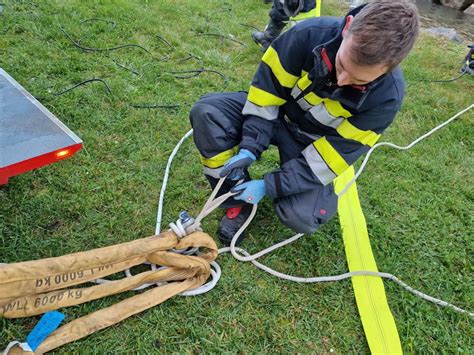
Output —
<point x="267" y="36"/>
<point x="233" y="219"/>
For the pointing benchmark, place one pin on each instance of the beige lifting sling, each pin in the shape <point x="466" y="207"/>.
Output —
<point x="35" y="287"/>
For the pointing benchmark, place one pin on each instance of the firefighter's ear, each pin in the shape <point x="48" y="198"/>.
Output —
<point x="347" y="25"/>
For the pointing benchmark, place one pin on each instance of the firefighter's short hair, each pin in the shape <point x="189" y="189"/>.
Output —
<point x="384" y="32"/>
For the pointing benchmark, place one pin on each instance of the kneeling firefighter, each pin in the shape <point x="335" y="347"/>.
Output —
<point x="324" y="92"/>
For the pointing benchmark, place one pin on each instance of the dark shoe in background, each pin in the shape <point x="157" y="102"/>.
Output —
<point x="268" y="35"/>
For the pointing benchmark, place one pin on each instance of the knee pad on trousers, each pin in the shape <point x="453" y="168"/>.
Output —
<point x="306" y="212"/>
<point x="202" y="114"/>
<point x="290" y="218"/>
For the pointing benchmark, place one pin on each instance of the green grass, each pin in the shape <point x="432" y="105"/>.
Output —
<point x="418" y="204"/>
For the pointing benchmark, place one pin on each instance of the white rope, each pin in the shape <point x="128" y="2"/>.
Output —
<point x="426" y="135"/>
<point x="215" y="274"/>
<point x="245" y="256"/>
<point x="165" y="181"/>
<point x="212" y="203"/>
<point x="177" y="227"/>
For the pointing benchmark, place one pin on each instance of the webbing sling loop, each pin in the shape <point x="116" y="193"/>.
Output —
<point x="35" y="287"/>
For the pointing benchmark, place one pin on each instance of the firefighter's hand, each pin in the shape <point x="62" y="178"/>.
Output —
<point x="235" y="167"/>
<point x="251" y="192"/>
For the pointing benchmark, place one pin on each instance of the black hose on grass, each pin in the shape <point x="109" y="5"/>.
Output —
<point x="450" y="80"/>
<point x="113" y="23"/>
<point x="164" y="40"/>
<point x="83" y="83"/>
<point x="126" y="68"/>
<point x="91" y="49"/>
<point x="249" y="26"/>
<point x="221" y="36"/>
<point x="176" y="74"/>
<point x="196" y="72"/>
<point x="78" y="85"/>
<point x="463" y="72"/>
<point x="150" y="106"/>
<point x="189" y="57"/>
<point x="146" y="106"/>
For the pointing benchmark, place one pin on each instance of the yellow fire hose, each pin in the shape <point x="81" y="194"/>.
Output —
<point x="35" y="287"/>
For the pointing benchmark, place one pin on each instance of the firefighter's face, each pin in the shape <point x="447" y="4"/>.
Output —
<point x="350" y="73"/>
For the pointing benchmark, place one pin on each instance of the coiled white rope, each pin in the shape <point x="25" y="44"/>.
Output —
<point x="212" y="203"/>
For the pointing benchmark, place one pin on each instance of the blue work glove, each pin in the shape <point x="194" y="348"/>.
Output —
<point x="252" y="191"/>
<point x="235" y="166"/>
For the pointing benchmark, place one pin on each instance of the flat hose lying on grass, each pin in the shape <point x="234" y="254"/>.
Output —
<point x="35" y="287"/>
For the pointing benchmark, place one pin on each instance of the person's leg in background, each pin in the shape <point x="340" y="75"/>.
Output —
<point x="279" y="17"/>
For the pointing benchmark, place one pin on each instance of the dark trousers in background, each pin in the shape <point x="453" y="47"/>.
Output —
<point x="278" y="15"/>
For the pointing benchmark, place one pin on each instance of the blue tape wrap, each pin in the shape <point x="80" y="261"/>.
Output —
<point x="46" y="325"/>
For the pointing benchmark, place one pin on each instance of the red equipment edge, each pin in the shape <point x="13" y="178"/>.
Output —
<point x="37" y="162"/>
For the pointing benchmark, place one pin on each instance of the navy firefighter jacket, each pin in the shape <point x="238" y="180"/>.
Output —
<point x="295" y="82"/>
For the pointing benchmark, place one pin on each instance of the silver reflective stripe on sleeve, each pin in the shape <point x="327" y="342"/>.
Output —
<point x="304" y="104"/>
<point x="321" y="114"/>
<point x="295" y="91"/>
<point x="317" y="165"/>
<point x="213" y="172"/>
<point x="266" y="112"/>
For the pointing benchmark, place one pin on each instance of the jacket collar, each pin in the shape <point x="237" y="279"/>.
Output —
<point x="332" y="46"/>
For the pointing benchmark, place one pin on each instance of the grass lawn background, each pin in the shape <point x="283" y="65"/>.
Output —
<point x="418" y="204"/>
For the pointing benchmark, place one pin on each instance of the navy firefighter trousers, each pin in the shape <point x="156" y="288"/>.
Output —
<point x="217" y="122"/>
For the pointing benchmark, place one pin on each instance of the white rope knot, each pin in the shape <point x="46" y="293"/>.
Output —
<point x="178" y="229"/>
<point x="182" y="230"/>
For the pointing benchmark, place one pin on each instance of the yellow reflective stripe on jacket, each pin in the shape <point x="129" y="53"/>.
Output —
<point x="316" y="12"/>
<point x="349" y="131"/>
<point x="313" y="99"/>
<point x="304" y="82"/>
<point x="333" y="107"/>
<point x="273" y="61"/>
<point x="262" y="98"/>
<point x="220" y="159"/>
<point x="318" y="8"/>
<point x="330" y="155"/>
